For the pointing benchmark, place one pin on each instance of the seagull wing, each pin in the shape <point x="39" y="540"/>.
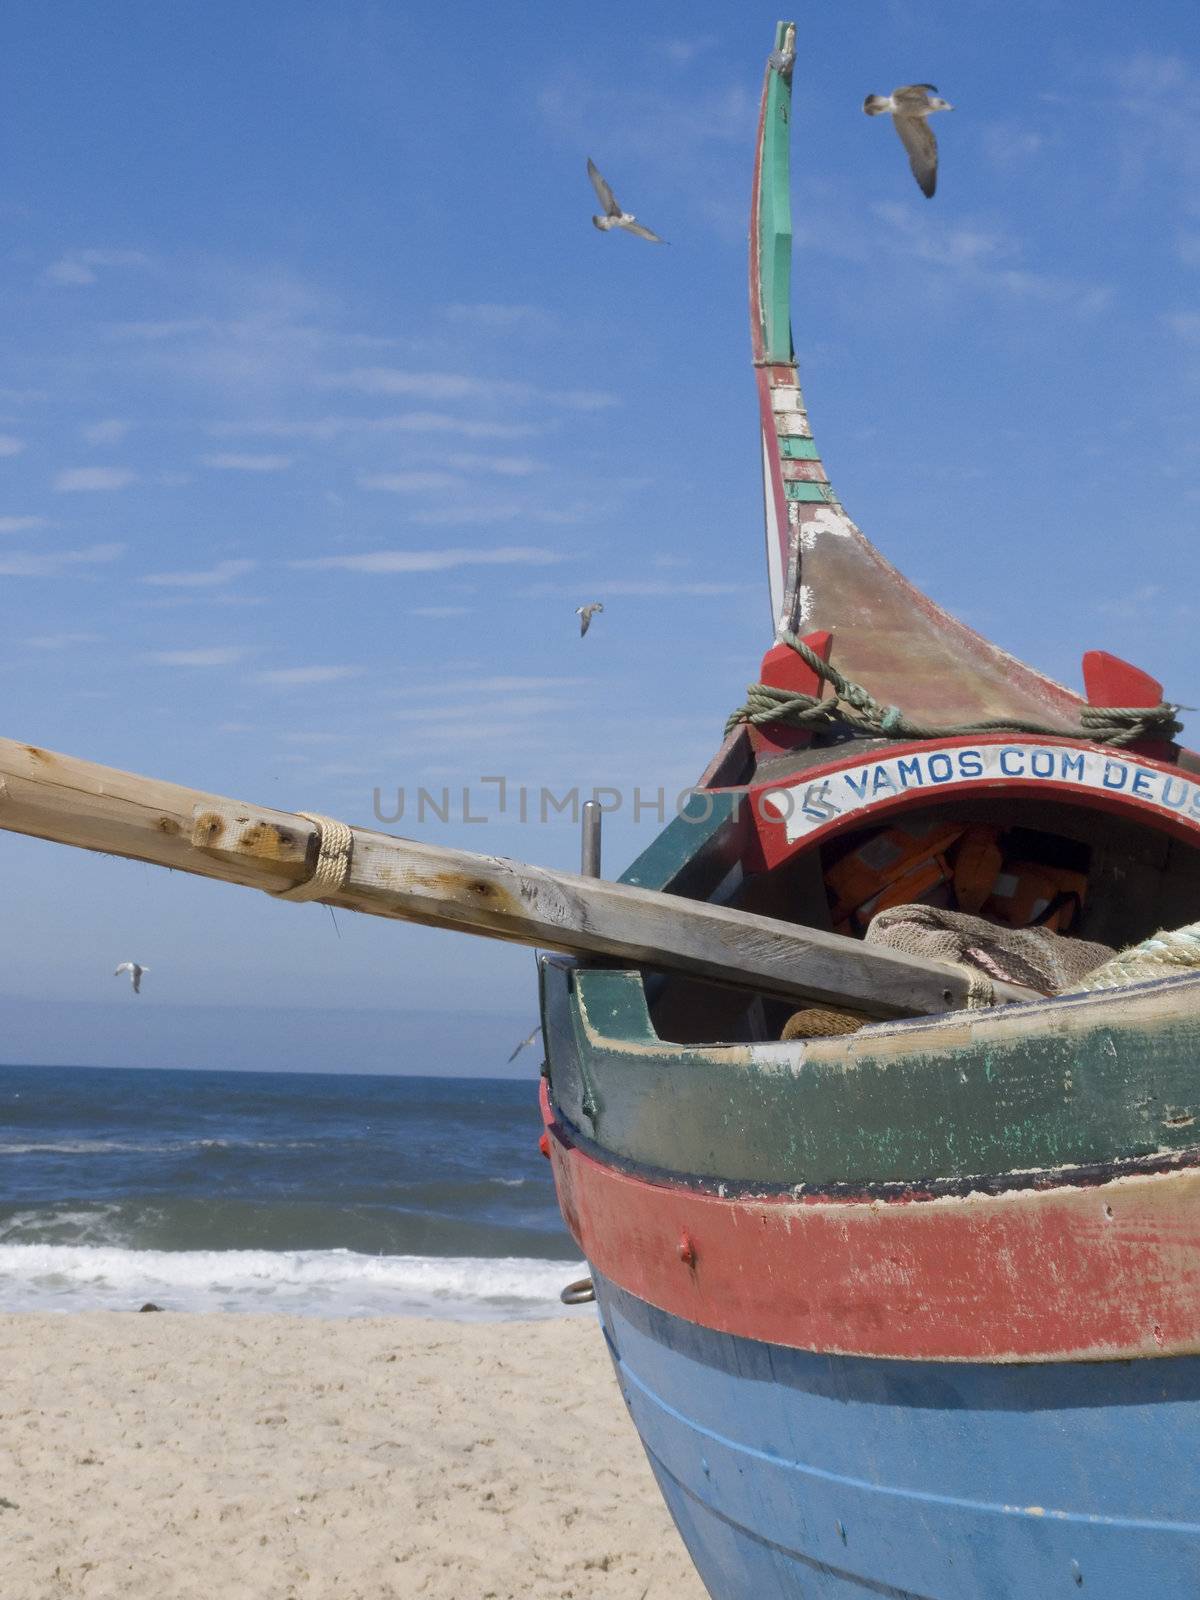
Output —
<point x="603" y="193"/>
<point x="525" y="1043"/>
<point x="642" y="232"/>
<point x="126" y="966"/>
<point x="585" y="620"/>
<point x="917" y="138"/>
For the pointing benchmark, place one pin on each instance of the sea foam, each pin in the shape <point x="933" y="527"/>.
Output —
<point x="325" y="1283"/>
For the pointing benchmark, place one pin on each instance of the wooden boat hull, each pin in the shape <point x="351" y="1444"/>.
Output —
<point x="793" y="1473"/>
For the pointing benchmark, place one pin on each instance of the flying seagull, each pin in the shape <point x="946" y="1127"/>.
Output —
<point x="614" y="216"/>
<point x="135" y="974"/>
<point x="784" y="59"/>
<point x="525" y="1043"/>
<point x="585" y="615"/>
<point x="910" y="107"/>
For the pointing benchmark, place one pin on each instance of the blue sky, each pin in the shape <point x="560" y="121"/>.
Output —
<point x="324" y="405"/>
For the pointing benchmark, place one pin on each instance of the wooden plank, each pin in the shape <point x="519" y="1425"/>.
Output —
<point x="98" y="808"/>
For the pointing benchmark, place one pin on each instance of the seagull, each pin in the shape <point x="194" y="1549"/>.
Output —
<point x="135" y="974"/>
<point x="910" y="108"/>
<point x="784" y="59"/>
<point x="614" y="216"/>
<point x="525" y="1043"/>
<point x="585" y="615"/>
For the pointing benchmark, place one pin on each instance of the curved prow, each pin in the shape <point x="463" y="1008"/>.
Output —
<point x="825" y="575"/>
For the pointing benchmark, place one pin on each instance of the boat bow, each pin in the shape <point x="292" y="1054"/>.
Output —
<point x="825" y="575"/>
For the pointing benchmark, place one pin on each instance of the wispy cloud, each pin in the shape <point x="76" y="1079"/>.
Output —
<point x="500" y="318"/>
<point x="230" y="462"/>
<point x="1186" y="324"/>
<point x="325" y="429"/>
<point x="77" y="269"/>
<point x="10" y="445"/>
<point x="981" y="257"/>
<point x="296" y="676"/>
<point x="208" y="578"/>
<point x="23" y="524"/>
<point x="503" y="466"/>
<point x="445" y="560"/>
<point x="109" y="431"/>
<point x="443" y="386"/>
<point x="52" y="563"/>
<point x="409" y="482"/>
<point x="222" y="655"/>
<point x="62" y="641"/>
<point x="77" y="480"/>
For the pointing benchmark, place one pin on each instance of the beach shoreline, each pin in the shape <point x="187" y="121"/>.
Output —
<point x="188" y="1456"/>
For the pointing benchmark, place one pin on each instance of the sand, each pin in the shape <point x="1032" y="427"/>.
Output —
<point x="233" y="1457"/>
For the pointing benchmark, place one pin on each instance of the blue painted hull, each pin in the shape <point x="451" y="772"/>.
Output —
<point x="794" y="1476"/>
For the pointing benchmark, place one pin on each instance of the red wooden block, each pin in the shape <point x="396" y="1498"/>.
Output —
<point x="1109" y="681"/>
<point x="782" y="668"/>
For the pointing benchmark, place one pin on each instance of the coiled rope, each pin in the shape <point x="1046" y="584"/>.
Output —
<point x="852" y="704"/>
<point x="335" y="843"/>
<point x="1171" y="950"/>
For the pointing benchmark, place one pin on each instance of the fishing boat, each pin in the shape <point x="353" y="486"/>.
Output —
<point x="911" y="1310"/>
<point x="870" y="1087"/>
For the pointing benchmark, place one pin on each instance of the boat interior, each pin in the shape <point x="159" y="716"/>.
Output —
<point x="1017" y="863"/>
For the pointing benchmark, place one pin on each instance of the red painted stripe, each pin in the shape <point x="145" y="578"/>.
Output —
<point x="803" y="471"/>
<point x="1065" y="1274"/>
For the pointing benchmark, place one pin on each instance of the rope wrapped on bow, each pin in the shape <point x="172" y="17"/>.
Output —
<point x="851" y="704"/>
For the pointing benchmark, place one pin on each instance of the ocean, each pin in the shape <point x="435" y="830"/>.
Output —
<point x="311" y="1194"/>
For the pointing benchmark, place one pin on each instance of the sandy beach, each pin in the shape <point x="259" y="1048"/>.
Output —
<point x="228" y="1457"/>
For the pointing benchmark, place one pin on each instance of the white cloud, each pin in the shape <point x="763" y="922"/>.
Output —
<point x="288" y="676"/>
<point x="79" y="479"/>
<point x="25" y="564"/>
<point x="155" y="331"/>
<point x="10" y="445"/>
<point x="242" y="463"/>
<point x="502" y="466"/>
<point x="445" y="560"/>
<point x="77" y="268"/>
<point x="208" y="656"/>
<point x="488" y="314"/>
<point x="441" y="386"/>
<point x="1186" y="324"/>
<point x="209" y="578"/>
<point x="409" y="482"/>
<point x="111" y="431"/>
<point x="62" y="641"/>
<point x="23" y="524"/>
<point x="325" y="429"/>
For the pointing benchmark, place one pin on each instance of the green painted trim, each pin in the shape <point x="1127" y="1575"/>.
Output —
<point x="686" y="840"/>
<point x="1091" y="1080"/>
<point x="809" y="491"/>
<point x="775" y="216"/>
<point x="794" y="448"/>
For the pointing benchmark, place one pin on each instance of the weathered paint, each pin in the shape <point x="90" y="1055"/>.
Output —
<point x="838" y="1478"/>
<point x="1109" y="1271"/>
<point x="986" y="1099"/>
<point x="798" y="449"/>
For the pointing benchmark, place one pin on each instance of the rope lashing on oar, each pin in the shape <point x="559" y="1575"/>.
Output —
<point x="851" y="703"/>
<point x="335" y="843"/>
<point x="1170" y="951"/>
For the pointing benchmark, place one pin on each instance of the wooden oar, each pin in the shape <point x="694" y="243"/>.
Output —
<point x="99" y="808"/>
